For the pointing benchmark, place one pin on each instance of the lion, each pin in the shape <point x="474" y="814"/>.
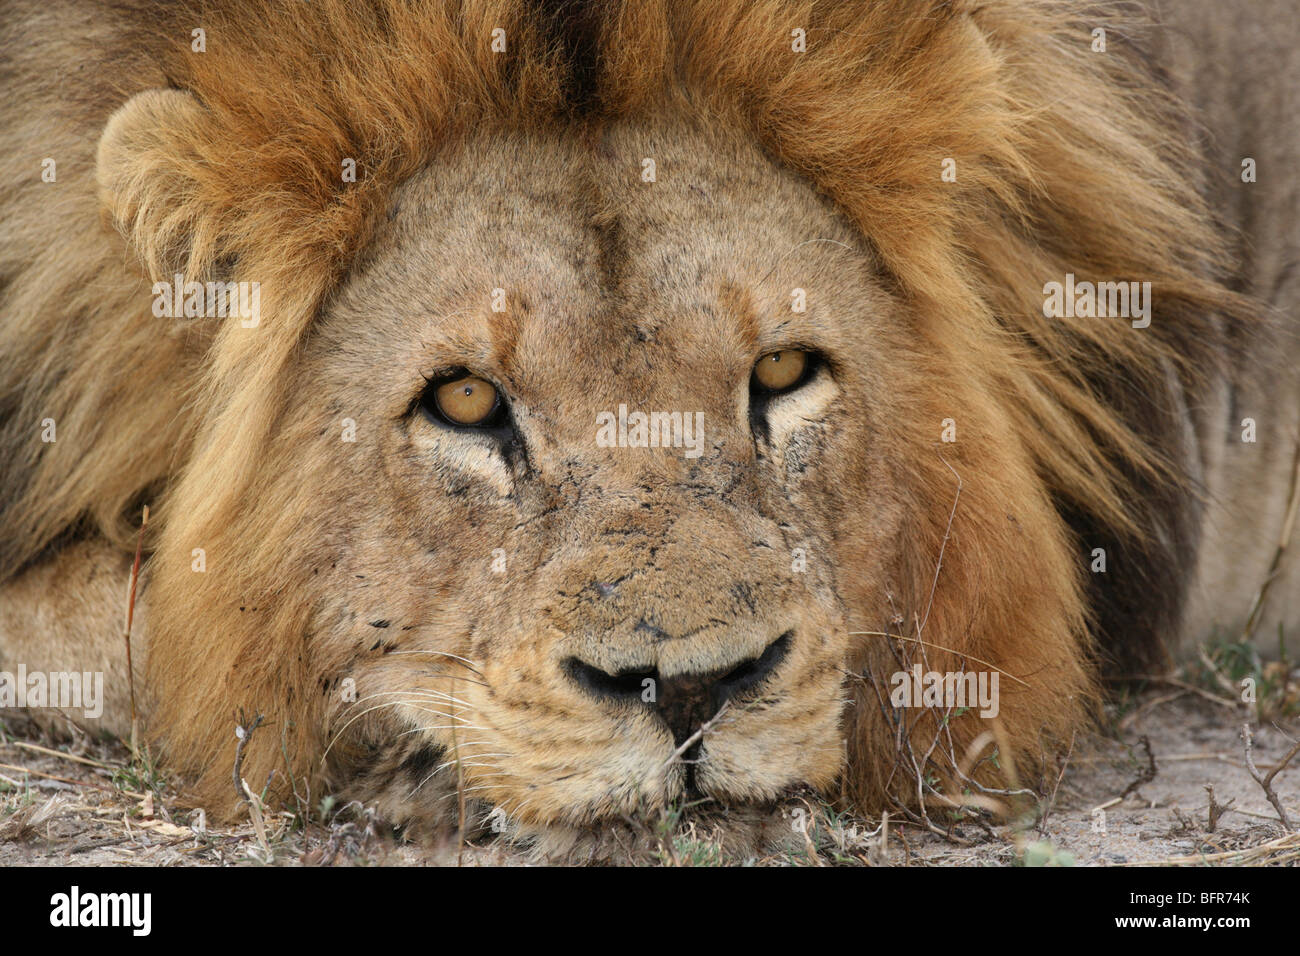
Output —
<point x="551" y="412"/>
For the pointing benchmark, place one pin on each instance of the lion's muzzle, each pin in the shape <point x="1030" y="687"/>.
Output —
<point x="684" y="701"/>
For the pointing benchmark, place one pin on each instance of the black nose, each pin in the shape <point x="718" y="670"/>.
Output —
<point x="684" y="701"/>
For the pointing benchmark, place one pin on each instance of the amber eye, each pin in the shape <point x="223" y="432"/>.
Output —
<point x="466" y="400"/>
<point x="779" y="371"/>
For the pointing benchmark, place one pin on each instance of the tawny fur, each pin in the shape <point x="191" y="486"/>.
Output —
<point x="1064" y="165"/>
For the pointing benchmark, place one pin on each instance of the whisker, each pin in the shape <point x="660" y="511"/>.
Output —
<point x="427" y="697"/>
<point x="436" y="694"/>
<point x="495" y="772"/>
<point x="456" y="657"/>
<point x="455" y="793"/>
<point x="391" y="703"/>
<point x="420" y="730"/>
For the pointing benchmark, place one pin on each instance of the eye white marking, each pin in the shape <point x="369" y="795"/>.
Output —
<point x="805" y="406"/>
<point x="476" y="457"/>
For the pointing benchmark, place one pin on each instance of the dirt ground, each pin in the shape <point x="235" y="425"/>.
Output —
<point x="82" y="803"/>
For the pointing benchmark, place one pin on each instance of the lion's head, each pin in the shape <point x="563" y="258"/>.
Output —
<point x="622" y="411"/>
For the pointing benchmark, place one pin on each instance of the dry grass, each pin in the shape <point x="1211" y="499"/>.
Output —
<point x="73" y="800"/>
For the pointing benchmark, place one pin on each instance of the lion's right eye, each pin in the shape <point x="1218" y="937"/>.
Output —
<point x="464" y="400"/>
<point x="781" y="371"/>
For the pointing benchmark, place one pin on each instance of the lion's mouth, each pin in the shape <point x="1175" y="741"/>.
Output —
<point x="605" y="729"/>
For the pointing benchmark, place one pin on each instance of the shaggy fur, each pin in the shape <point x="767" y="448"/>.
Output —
<point x="225" y="164"/>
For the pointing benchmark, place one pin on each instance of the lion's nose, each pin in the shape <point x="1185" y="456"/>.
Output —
<point x="684" y="701"/>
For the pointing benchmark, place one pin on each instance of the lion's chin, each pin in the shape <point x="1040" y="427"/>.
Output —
<point x="690" y="832"/>
<point x="759" y="821"/>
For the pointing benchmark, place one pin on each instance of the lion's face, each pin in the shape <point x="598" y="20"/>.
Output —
<point x="561" y="606"/>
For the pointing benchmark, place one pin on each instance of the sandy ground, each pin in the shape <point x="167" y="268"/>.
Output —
<point x="78" y="803"/>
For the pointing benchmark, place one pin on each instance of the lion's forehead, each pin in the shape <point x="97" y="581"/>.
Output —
<point x="639" y="251"/>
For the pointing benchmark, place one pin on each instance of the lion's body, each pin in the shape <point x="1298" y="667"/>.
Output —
<point x="448" y="584"/>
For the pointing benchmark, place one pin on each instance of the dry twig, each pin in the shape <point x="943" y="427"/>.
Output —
<point x="696" y="737"/>
<point x="130" y="617"/>
<point x="36" y="748"/>
<point x="1266" y="782"/>
<point x="1145" y="776"/>
<point x="246" y="794"/>
<point x="1217" y="809"/>
<point x="1284" y="539"/>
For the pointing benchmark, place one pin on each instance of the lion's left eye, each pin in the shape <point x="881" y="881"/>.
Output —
<point x="781" y="371"/>
<point x="464" y="400"/>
